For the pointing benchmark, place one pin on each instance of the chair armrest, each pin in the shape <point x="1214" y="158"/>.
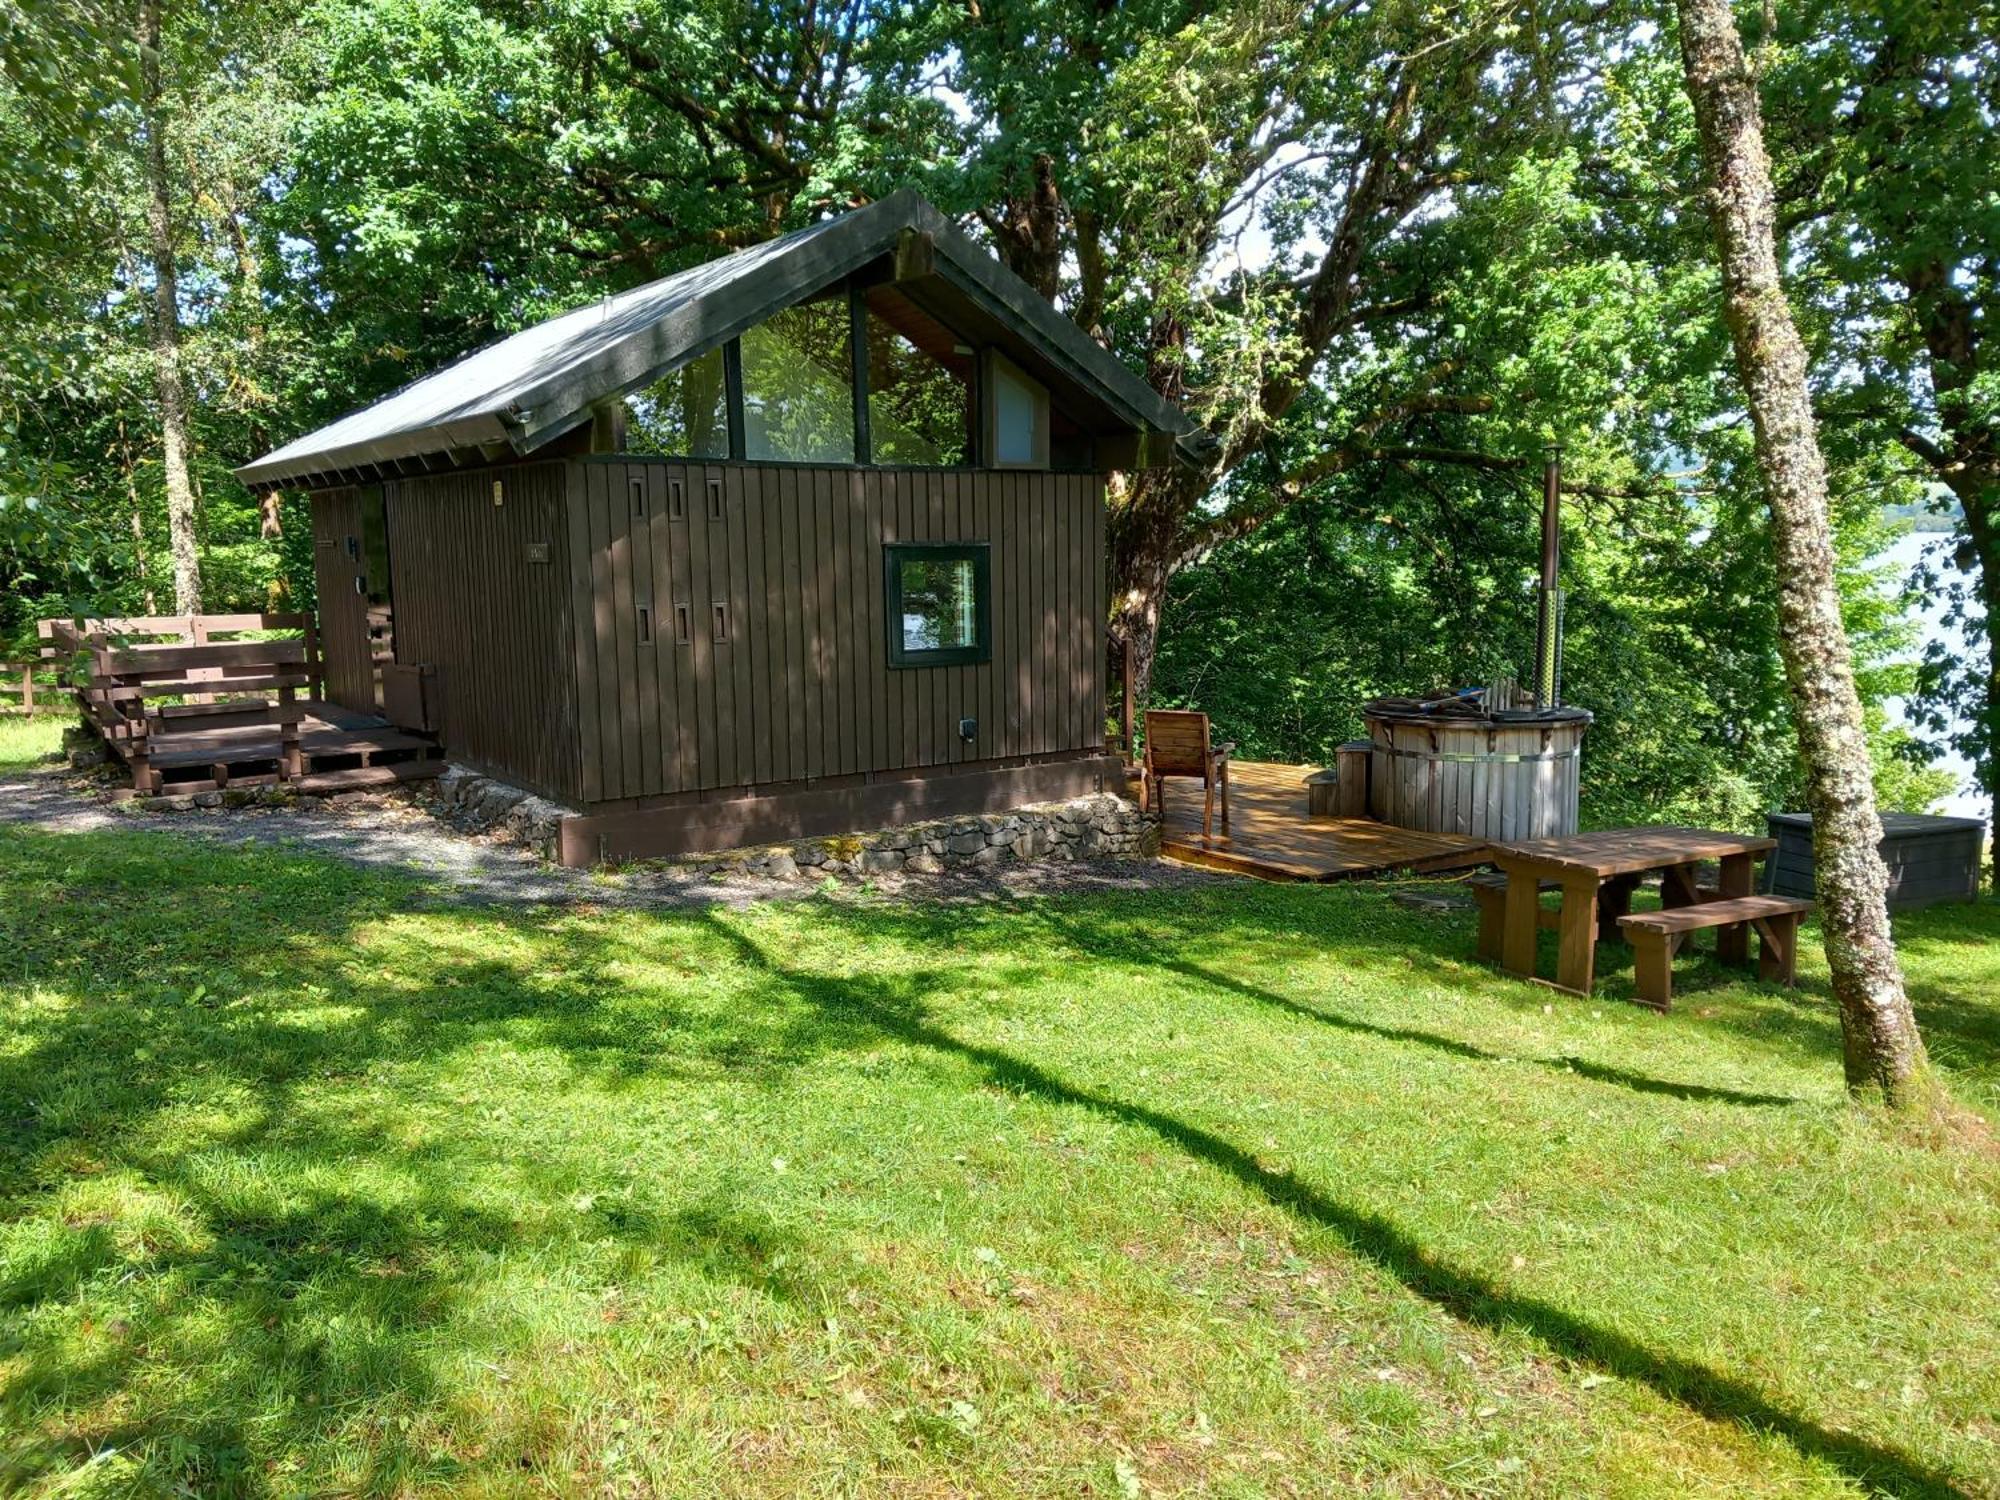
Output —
<point x="1221" y="752"/>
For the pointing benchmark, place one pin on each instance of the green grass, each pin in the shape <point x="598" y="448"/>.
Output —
<point x="313" y="1184"/>
<point x="28" y="739"/>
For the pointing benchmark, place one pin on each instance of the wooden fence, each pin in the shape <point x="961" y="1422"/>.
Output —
<point x="29" y="687"/>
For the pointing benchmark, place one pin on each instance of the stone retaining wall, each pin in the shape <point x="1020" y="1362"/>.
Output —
<point x="480" y="804"/>
<point x="1104" y="826"/>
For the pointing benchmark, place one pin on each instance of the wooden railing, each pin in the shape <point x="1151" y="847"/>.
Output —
<point x="138" y="631"/>
<point x="145" y="679"/>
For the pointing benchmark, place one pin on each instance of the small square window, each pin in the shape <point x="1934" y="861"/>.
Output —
<point x="938" y="609"/>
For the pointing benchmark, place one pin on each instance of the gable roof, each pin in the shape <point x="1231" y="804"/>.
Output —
<point x="526" y="389"/>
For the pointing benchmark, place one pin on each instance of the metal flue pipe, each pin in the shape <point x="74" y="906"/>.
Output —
<point x="1548" y="621"/>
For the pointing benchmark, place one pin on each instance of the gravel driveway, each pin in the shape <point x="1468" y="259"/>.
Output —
<point x="396" y="830"/>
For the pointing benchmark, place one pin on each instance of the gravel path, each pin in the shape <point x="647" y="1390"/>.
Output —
<point x="396" y="831"/>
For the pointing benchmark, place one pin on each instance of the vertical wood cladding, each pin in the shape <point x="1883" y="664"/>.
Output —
<point x="343" y="612"/>
<point x="729" y="626"/>
<point x="484" y="593"/>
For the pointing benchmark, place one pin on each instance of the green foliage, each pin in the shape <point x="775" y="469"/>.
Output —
<point x="364" y="189"/>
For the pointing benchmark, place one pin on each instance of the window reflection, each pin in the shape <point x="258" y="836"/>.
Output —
<point x="684" y="414"/>
<point x="938" y="612"/>
<point x="798" y="394"/>
<point x="919" y="385"/>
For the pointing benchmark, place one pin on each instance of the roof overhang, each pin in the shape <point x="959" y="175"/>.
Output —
<point x="522" y="392"/>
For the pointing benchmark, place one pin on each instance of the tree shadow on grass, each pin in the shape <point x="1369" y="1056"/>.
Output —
<point x="1959" y="1021"/>
<point x="891" y="1009"/>
<point x="1060" y="921"/>
<point x="185" y="1204"/>
<point x="1802" y="1022"/>
<point x="1453" y="1046"/>
<point x="178" y="988"/>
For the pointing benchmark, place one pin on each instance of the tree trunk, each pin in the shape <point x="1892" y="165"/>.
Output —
<point x="1967" y="463"/>
<point x="1029" y="232"/>
<point x="1884" y="1054"/>
<point x="167" y="323"/>
<point x="1145" y="534"/>
<point x="138" y="521"/>
<point x="1977" y="500"/>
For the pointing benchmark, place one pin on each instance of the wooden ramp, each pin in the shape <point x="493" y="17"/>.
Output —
<point x="1273" y="837"/>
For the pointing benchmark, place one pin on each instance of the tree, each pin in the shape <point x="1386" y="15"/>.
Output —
<point x="1884" y="1054"/>
<point x="1288" y="217"/>
<point x="172" y="391"/>
<point x="1889" y="195"/>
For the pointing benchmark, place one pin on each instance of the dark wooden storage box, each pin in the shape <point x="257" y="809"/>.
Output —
<point x="409" y="696"/>
<point x="1929" y="859"/>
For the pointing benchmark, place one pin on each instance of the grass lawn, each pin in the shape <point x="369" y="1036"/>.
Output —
<point x="312" y="1182"/>
<point x="26" y="739"/>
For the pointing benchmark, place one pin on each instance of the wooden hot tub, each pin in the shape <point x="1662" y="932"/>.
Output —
<point x="1507" y="775"/>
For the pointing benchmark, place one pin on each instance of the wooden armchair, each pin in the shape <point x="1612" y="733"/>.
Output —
<point x="1177" y="745"/>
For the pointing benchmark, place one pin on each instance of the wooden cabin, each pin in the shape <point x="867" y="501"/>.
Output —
<point x="805" y="540"/>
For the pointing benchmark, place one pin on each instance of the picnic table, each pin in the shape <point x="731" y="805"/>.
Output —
<point x="1596" y="873"/>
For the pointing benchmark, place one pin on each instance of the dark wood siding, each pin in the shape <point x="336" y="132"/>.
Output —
<point x="483" y="593"/>
<point x="343" y="612"/>
<point x="783" y="676"/>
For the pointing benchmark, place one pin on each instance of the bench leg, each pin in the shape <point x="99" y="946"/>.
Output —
<point x="1225" y="796"/>
<point x="1778" y="949"/>
<point x="1732" y="943"/>
<point x="1653" y="967"/>
<point x="1614" y="900"/>
<point x="1492" y="920"/>
<point x="1518" y="929"/>
<point x="1577" y="952"/>
<point x="1207" y="807"/>
<point x="1677" y="888"/>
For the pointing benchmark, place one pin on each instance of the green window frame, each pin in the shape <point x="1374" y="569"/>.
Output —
<point x="977" y="556"/>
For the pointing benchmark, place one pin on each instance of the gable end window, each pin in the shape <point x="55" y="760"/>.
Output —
<point x="939" y="609"/>
<point x="1017" y="416"/>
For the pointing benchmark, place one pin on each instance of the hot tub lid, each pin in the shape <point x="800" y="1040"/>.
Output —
<point x="1461" y="709"/>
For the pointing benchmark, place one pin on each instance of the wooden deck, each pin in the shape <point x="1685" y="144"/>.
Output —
<point x="194" y="703"/>
<point x="341" y="749"/>
<point x="1273" y="837"/>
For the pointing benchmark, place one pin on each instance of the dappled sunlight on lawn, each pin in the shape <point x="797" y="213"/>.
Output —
<point x="316" y="1181"/>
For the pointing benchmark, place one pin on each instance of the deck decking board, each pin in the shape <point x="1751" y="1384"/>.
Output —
<point x="1273" y="836"/>
<point x="326" y="732"/>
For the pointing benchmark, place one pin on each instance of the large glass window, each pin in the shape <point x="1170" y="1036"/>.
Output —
<point x="938" y="608"/>
<point x="798" y="389"/>
<point x="684" y="414"/>
<point x="919" y="385"/>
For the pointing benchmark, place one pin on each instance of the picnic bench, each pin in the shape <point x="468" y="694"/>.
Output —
<point x="1597" y="873"/>
<point x="1657" y="935"/>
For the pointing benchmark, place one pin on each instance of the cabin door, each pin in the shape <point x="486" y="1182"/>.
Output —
<point x="340" y="566"/>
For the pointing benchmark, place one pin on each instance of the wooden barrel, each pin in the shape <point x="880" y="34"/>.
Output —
<point x="1503" y="779"/>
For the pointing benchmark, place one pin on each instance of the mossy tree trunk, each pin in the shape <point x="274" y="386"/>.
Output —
<point x="1884" y="1053"/>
